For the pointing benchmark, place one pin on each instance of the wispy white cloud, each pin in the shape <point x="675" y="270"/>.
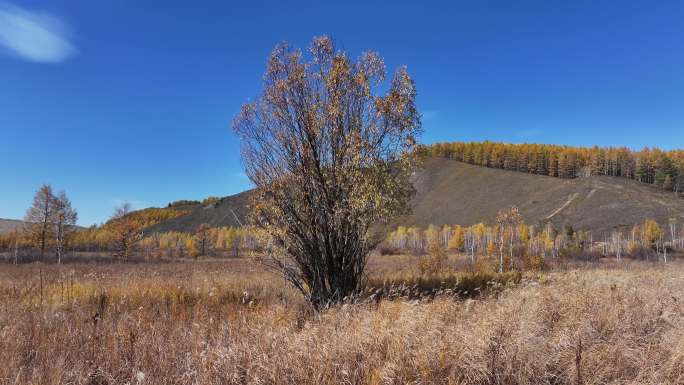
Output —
<point x="34" y="36"/>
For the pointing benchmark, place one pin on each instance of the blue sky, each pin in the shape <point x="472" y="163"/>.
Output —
<point x="132" y="100"/>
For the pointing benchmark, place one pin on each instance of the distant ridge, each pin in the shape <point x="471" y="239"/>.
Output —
<point x="453" y="192"/>
<point x="7" y="225"/>
<point x="228" y="211"/>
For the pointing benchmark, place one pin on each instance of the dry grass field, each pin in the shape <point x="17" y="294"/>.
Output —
<point x="230" y="322"/>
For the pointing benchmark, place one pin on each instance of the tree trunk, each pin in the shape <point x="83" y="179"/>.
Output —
<point x="16" y="251"/>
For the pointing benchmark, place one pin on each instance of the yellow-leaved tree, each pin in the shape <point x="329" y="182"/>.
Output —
<point x="457" y="239"/>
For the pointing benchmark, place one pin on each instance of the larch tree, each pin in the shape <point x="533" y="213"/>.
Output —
<point x="126" y="232"/>
<point x="329" y="156"/>
<point x="652" y="234"/>
<point x="457" y="238"/>
<point x="65" y="218"/>
<point x="40" y="217"/>
<point x="202" y="242"/>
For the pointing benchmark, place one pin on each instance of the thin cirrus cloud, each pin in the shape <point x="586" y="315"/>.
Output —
<point x="34" y="36"/>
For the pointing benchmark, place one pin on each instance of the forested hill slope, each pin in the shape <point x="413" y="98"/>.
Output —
<point x="653" y="166"/>
<point x="453" y="192"/>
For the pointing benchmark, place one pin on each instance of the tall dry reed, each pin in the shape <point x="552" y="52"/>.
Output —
<point x="230" y="323"/>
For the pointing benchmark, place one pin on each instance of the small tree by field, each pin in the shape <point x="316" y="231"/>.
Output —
<point x="233" y="242"/>
<point x="202" y="244"/>
<point x="64" y="221"/>
<point x="125" y="232"/>
<point x="329" y="156"/>
<point x="433" y="262"/>
<point x="40" y="217"/>
<point x="457" y="239"/>
<point x="51" y="220"/>
<point x="508" y="221"/>
<point x="652" y="233"/>
<point x="16" y="240"/>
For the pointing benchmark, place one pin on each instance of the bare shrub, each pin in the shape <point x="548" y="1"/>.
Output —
<point x="329" y="156"/>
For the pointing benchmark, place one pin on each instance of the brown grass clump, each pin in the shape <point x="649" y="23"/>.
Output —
<point x="229" y="323"/>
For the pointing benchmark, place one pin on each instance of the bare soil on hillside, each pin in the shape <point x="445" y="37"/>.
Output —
<point x="452" y="192"/>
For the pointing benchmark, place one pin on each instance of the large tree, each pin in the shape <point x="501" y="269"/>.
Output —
<point x="40" y="217"/>
<point x="329" y="156"/>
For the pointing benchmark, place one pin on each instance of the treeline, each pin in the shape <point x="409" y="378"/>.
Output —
<point x="50" y="228"/>
<point x="205" y="202"/>
<point x="130" y="242"/>
<point x="204" y="242"/>
<point x="50" y="223"/>
<point x="653" y="166"/>
<point x="514" y="244"/>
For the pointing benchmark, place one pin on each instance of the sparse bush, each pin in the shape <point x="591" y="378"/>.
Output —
<point x="433" y="262"/>
<point x="533" y="262"/>
<point x="486" y="264"/>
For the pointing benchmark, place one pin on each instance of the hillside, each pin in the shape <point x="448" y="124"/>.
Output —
<point x="229" y="211"/>
<point x="449" y="191"/>
<point x="453" y="192"/>
<point x="7" y="225"/>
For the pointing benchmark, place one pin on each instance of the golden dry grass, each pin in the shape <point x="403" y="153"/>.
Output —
<point x="231" y="323"/>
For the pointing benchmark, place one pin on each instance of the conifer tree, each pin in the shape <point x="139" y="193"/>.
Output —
<point x="40" y="217"/>
<point x="202" y="243"/>
<point x="457" y="239"/>
<point x="126" y="232"/>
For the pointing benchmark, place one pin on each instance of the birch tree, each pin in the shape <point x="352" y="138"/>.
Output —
<point x="508" y="221"/>
<point x="65" y="218"/>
